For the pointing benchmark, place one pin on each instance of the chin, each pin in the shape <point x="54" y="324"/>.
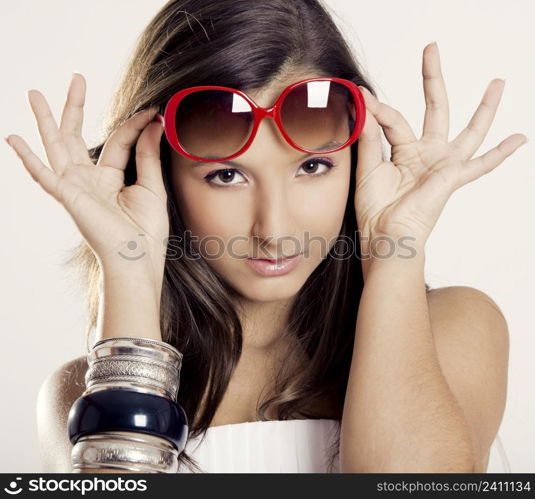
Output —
<point x="267" y="289"/>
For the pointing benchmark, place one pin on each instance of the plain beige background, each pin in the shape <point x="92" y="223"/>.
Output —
<point x="484" y="238"/>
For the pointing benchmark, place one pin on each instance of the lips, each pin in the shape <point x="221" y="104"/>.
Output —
<point x="274" y="267"/>
<point x="277" y="260"/>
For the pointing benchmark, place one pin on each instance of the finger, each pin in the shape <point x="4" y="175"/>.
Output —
<point x="396" y="128"/>
<point x="35" y="167"/>
<point x="116" y="150"/>
<point x="485" y="163"/>
<point x="148" y="165"/>
<point x="56" y="150"/>
<point x="469" y="140"/>
<point x="436" y="119"/>
<point x="369" y="147"/>
<point x="72" y="120"/>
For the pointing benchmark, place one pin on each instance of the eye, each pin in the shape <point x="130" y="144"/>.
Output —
<point x="311" y="171"/>
<point x="226" y="177"/>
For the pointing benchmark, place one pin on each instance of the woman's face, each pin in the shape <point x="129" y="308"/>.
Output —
<point x="279" y="202"/>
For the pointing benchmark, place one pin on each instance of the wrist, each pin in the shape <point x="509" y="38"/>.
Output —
<point x="136" y="292"/>
<point x="413" y="261"/>
<point x="380" y="250"/>
<point x="142" y="272"/>
<point x="134" y="256"/>
<point x="130" y="305"/>
<point x="397" y="269"/>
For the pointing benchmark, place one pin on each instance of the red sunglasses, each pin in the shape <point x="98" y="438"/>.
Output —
<point x="213" y="123"/>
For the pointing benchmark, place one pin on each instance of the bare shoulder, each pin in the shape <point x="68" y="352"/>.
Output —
<point x="468" y="317"/>
<point x="56" y="395"/>
<point x="472" y="342"/>
<point x="462" y="293"/>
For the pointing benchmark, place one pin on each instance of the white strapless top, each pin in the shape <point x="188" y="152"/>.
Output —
<point x="287" y="446"/>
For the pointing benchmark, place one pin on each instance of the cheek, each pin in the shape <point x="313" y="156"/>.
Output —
<point x="320" y="206"/>
<point x="211" y="216"/>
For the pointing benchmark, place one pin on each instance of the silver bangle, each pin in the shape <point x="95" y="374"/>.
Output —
<point x="120" y="369"/>
<point x="147" y="347"/>
<point x="142" y="364"/>
<point x="124" y="450"/>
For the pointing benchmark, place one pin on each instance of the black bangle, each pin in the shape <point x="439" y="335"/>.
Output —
<point x="117" y="409"/>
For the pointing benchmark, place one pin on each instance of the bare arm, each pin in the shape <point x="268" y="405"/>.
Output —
<point x="400" y="414"/>
<point x="112" y="217"/>
<point x="129" y="307"/>
<point x="57" y="393"/>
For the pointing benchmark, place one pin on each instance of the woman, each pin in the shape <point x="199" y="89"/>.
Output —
<point x="292" y="344"/>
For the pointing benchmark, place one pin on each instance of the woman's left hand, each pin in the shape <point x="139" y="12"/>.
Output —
<point x="405" y="196"/>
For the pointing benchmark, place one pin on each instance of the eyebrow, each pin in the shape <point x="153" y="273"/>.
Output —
<point x="332" y="144"/>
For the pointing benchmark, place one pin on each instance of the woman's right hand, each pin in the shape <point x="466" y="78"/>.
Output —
<point x="113" y="218"/>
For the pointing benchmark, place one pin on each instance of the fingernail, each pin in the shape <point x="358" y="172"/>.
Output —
<point x="7" y="141"/>
<point x="158" y="118"/>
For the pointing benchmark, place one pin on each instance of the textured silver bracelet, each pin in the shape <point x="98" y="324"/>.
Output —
<point x="141" y="364"/>
<point x="124" y="450"/>
<point x="158" y="376"/>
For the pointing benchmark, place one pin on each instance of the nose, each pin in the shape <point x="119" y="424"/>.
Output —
<point x="274" y="228"/>
<point x="274" y="224"/>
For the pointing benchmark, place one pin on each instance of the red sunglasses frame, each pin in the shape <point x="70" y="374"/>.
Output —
<point x="259" y="113"/>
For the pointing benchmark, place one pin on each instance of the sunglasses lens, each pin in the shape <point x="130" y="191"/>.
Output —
<point x="319" y="115"/>
<point x="213" y="124"/>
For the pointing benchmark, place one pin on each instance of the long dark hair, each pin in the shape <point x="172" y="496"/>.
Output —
<point x="245" y="45"/>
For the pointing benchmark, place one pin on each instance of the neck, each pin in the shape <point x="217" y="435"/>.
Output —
<point x="263" y="323"/>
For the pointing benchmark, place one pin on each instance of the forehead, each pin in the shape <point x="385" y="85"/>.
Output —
<point x="268" y="94"/>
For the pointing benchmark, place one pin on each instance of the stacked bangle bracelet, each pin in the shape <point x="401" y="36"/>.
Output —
<point x="127" y="418"/>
